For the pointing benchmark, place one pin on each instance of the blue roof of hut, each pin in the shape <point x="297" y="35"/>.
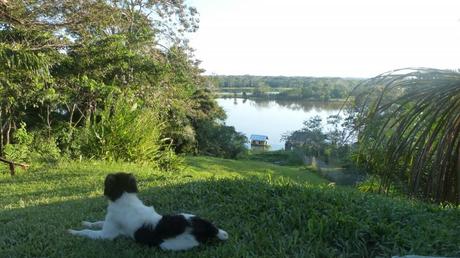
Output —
<point x="257" y="137"/>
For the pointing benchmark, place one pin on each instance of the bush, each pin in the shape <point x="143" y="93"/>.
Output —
<point x="29" y="147"/>
<point x="46" y="149"/>
<point x="20" y="150"/>
<point x="124" y="131"/>
<point x="220" y="140"/>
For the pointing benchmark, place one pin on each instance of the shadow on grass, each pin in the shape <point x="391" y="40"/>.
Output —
<point x="275" y="219"/>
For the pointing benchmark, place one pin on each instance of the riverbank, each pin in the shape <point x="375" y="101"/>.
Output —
<point x="268" y="210"/>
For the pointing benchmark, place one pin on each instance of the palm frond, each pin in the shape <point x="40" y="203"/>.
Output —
<point x="412" y="118"/>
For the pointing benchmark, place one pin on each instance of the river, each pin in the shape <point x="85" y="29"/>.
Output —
<point x="274" y="118"/>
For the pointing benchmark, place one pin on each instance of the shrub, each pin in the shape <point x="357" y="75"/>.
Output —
<point x="45" y="149"/>
<point x="220" y="140"/>
<point x="30" y="147"/>
<point x="124" y="131"/>
<point x="20" y="150"/>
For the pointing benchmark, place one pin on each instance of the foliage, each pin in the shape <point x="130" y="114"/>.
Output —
<point x="20" y="149"/>
<point x="310" y="138"/>
<point x="212" y="136"/>
<point x="220" y="140"/>
<point x="409" y="131"/>
<point x="124" y="131"/>
<point x="330" y="143"/>
<point x="265" y="216"/>
<point x="62" y="62"/>
<point x="288" y="87"/>
<point x="27" y="147"/>
<point x="24" y="75"/>
<point x="261" y="90"/>
<point x="46" y="149"/>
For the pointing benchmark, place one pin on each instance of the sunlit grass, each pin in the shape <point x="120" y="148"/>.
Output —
<point x="268" y="210"/>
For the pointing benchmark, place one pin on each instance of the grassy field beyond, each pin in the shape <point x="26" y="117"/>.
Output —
<point x="268" y="210"/>
<point x="207" y="166"/>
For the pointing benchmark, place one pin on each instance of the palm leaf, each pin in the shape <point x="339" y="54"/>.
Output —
<point x="412" y="118"/>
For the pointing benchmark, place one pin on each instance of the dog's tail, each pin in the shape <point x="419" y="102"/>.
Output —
<point x="222" y="235"/>
<point x="204" y="230"/>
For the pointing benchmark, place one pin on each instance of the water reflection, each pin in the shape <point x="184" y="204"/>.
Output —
<point x="304" y="105"/>
<point x="274" y="117"/>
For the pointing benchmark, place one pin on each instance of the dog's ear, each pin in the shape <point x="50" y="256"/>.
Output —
<point x="108" y="184"/>
<point x="132" y="184"/>
<point x="110" y="177"/>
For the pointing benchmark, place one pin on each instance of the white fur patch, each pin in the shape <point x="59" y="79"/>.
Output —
<point x="181" y="242"/>
<point x="222" y="235"/>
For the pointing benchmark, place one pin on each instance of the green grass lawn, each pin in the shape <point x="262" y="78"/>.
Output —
<point x="268" y="211"/>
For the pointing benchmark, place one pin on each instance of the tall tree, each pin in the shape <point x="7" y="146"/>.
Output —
<point x="65" y="57"/>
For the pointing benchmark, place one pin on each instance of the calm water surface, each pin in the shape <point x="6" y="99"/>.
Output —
<point x="273" y="118"/>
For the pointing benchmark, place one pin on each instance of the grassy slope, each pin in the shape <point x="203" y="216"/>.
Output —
<point x="290" y="213"/>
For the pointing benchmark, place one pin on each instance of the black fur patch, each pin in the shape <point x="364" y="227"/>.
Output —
<point x="173" y="225"/>
<point x="203" y="230"/>
<point x="169" y="226"/>
<point x="146" y="235"/>
<point x="116" y="184"/>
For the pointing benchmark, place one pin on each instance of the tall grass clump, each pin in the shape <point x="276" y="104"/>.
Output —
<point x="124" y="131"/>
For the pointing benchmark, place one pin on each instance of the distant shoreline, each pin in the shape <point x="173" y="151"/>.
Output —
<point x="274" y="97"/>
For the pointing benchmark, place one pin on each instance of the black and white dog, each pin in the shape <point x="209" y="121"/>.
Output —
<point x="128" y="216"/>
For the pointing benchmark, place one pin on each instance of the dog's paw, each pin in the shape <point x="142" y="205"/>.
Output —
<point x="222" y="235"/>
<point x="87" y="224"/>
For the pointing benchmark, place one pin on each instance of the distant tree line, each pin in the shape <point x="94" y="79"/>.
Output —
<point x="287" y="87"/>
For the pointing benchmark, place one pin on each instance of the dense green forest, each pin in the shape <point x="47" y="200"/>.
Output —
<point x="111" y="80"/>
<point x="295" y="87"/>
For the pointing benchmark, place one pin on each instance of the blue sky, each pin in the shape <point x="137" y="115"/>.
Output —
<point x="353" y="38"/>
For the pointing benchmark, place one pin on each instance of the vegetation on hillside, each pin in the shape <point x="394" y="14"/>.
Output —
<point x="290" y="212"/>
<point x="110" y="80"/>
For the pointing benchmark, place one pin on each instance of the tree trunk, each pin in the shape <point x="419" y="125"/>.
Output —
<point x="8" y="131"/>
<point x="48" y="120"/>
<point x="12" y="165"/>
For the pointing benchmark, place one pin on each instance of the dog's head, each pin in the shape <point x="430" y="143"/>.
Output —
<point x="116" y="184"/>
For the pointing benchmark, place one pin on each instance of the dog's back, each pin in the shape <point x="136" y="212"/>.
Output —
<point x="177" y="232"/>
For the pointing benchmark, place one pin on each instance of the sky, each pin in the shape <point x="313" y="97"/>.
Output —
<point x="346" y="38"/>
